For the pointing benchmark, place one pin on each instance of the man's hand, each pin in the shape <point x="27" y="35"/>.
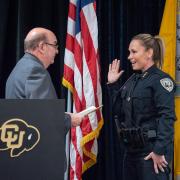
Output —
<point x="158" y="160"/>
<point x="75" y="119"/>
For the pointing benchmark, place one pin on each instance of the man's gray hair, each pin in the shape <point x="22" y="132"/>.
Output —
<point x="32" y="43"/>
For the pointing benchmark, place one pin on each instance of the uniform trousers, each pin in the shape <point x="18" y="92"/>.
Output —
<point x="136" y="168"/>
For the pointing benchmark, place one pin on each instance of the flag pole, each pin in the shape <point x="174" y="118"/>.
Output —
<point x="67" y="144"/>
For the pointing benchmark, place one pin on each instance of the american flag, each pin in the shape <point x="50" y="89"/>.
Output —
<point x="82" y="78"/>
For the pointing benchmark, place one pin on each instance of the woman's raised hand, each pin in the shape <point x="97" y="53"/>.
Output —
<point x="114" y="71"/>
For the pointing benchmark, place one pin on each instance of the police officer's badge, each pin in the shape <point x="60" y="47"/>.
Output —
<point x="167" y="84"/>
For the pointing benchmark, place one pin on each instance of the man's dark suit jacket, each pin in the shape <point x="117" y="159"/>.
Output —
<point x="30" y="80"/>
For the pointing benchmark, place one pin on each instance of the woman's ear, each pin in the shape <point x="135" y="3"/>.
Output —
<point x="150" y="53"/>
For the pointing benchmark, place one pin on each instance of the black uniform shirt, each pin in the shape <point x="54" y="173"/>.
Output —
<point x="147" y="100"/>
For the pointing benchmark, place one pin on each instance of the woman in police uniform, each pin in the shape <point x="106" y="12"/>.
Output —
<point x="144" y="106"/>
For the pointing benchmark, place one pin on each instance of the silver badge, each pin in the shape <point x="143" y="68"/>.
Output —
<point x="167" y="84"/>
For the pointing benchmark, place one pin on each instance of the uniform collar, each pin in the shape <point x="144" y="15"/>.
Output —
<point x="150" y="70"/>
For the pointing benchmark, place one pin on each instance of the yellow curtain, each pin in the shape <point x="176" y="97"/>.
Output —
<point x="168" y="33"/>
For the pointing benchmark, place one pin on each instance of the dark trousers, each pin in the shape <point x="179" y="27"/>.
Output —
<point x="136" y="168"/>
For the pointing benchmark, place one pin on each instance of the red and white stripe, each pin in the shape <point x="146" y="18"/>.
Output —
<point x="82" y="77"/>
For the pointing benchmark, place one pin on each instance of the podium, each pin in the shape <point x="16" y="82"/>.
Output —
<point x="32" y="139"/>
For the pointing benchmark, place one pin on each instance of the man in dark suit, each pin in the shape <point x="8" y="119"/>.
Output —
<point x="30" y="79"/>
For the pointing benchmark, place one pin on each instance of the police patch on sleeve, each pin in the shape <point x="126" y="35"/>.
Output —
<point x="167" y="84"/>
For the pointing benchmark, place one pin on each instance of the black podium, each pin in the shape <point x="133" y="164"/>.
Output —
<point x="32" y="140"/>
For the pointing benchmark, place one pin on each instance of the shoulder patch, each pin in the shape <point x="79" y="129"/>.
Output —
<point x="167" y="84"/>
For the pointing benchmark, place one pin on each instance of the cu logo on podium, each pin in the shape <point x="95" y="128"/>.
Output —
<point x="17" y="136"/>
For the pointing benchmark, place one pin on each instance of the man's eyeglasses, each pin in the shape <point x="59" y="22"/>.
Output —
<point x="54" y="45"/>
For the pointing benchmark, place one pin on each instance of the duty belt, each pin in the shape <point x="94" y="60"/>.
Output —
<point x="136" y="137"/>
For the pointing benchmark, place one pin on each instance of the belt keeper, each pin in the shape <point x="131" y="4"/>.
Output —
<point x="151" y="134"/>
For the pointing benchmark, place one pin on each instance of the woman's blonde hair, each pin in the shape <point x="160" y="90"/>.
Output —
<point x="155" y="43"/>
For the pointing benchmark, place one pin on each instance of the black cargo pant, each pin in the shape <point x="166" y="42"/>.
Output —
<point x="136" y="168"/>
